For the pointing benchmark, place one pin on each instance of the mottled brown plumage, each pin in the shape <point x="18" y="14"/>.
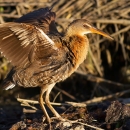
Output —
<point x="40" y="55"/>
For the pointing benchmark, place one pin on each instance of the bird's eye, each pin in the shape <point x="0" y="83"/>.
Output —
<point x="84" y="25"/>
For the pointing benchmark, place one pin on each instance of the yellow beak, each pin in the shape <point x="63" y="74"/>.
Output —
<point x="95" y="30"/>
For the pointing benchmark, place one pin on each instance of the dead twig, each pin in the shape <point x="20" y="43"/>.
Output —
<point x="25" y="102"/>
<point x="66" y="93"/>
<point x="112" y="21"/>
<point x="100" y="80"/>
<point x="85" y="124"/>
<point x="100" y="99"/>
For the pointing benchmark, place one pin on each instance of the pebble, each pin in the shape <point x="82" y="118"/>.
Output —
<point x="67" y="124"/>
<point x="81" y="127"/>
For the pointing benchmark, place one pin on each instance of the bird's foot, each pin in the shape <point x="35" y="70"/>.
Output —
<point x="66" y="122"/>
<point x="46" y="119"/>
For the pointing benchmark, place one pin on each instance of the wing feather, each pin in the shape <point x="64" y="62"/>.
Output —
<point x="42" y="18"/>
<point x="18" y="39"/>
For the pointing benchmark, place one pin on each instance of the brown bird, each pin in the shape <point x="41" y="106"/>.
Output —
<point x="40" y="55"/>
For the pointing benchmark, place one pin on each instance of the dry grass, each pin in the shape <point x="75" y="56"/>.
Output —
<point x="105" y="72"/>
<point x="110" y="16"/>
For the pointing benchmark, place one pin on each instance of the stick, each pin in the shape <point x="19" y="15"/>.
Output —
<point x="25" y="101"/>
<point x="100" y="99"/>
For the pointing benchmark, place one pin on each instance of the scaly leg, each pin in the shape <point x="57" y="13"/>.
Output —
<point x="47" y="101"/>
<point x="43" y="90"/>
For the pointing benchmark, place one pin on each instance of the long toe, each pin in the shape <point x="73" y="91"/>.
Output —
<point x="58" y="118"/>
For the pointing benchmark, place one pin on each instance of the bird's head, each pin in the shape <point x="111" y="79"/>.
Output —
<point x="82" y="27"/>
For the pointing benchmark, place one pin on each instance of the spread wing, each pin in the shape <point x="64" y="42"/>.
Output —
<point x="19" y="39"/>
<point x="42" y="18"/>
<point x="18" y="42"/>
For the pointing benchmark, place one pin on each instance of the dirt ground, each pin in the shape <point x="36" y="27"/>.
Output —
<point x="111" y="114"/>
<point x="96" y="96"/>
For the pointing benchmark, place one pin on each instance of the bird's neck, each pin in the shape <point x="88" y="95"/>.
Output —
<point x="79" y="48"/>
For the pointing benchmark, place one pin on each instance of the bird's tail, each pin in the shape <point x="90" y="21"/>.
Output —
<point x="8" y="82"/>
<point x="8" y="85"/>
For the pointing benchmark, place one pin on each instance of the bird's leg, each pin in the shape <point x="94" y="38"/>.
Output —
<point x="47" y="101"/>
<point x="43" y="90"/>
